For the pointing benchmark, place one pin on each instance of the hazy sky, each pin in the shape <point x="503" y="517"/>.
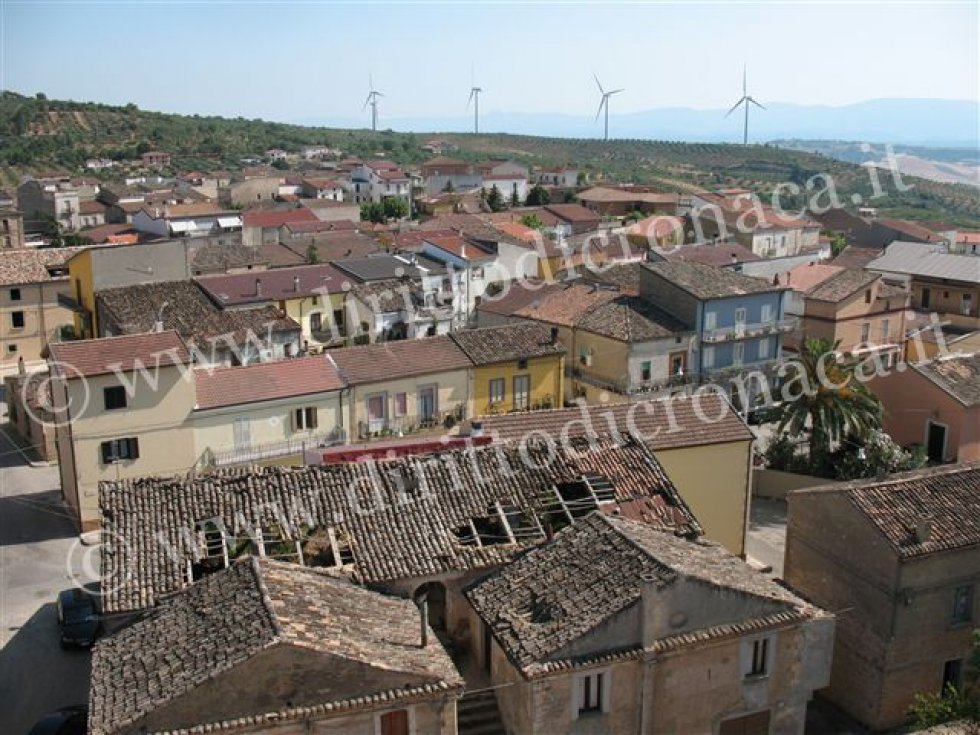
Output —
<point x="296" y="60"/>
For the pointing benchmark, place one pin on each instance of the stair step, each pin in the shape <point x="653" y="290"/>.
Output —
<point x="478" y="714"/>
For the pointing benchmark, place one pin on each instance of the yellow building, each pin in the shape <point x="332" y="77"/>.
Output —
<point x="32" y="282"/>
<point x="516" y="367"/>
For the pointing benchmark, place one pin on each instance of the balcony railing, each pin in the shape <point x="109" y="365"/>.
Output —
<point x="629" y="387"/>
<point x="271" y="450"/>
<point x="410" y="424"/>
<point x="750" y="331"/>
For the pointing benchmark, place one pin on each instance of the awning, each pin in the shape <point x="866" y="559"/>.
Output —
<point x="182" y="226"/>
<point x="227" y="222"/>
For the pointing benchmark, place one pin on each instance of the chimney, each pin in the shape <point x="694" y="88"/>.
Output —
<point x="476" y="429"/>
<point x="923" y="528"/>
<point x="21" y="367"/>
<point x="295" y="284"/>
<point x="554" y="335"/>
<point x="421" y="604"/>
<point x="734" y="258"/>
<point x="258" y="286"/>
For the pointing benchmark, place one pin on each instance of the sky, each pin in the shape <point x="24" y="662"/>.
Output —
<point x="301" y="61"/>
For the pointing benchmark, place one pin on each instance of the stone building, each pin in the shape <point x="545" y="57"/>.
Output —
<point x="900" y="559"/>
<point x="270" y="647"/>
<point x="616" y="627"/>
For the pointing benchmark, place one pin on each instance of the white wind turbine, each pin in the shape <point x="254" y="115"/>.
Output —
<point x="746" y="100"/>
<point x="604" y="105"/>
<point x="372" y="99"/>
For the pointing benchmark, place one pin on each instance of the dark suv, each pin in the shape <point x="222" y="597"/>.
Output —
<point x="78" y="618"/>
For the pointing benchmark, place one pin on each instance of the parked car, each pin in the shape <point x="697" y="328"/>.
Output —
<point x="78" y="618"/>
<point x="66" y="721"/>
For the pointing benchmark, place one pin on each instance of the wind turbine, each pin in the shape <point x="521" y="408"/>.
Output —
<point x="604" y="104"/>
<point x="372" y="99"/>
<point x="746" y="100"/>
<point x="475" y="99"/>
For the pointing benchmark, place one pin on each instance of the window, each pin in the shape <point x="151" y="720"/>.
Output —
<point x="738" y="353"/>
<point x="865" y="332"/>
<point x="304" y="418"/>
<point x="740" y="316"/>
<point x="15" y="294"/>
<point x="708" y="358"/>
<point x="759" y="665"/>
<point x="963" y="604"/>
<point x="646" y="371"/>
<point x="926" y="298"/>
<point x="767" y="313"/>
<point x="120" y="449"/>
<point x="585" y="355"/>
<point x="710" y="320"/>
<point x="952" y="675"/>
<point x="522" y="392"/>
<point x="316" y="322"/>
<point x="764" y="348"/>
<point x="884" y="331"/>
<point x="867" y="296"/>
<point x="338" y="319"/>
<point x="114" y="397"/>
<point x="17" y="319"/>
<point x="522" y="364"/>
<point x="497" y="390"/>
<point x="592" y="693"/>
<point x="401" y="404"/>
<point x="966" y="304"/>
<point x="11" y="348"/>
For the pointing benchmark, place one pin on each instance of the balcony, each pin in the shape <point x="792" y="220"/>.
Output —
<point x="626" y="387"/>
<point x="271" y="450"/>
<point x="749" y="331"/>
<point x="329" y="336"/>
<point x="411" y="424"/>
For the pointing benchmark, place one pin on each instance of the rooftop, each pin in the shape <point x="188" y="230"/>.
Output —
<point x="451" y="519"/>
<point x="543" y="603"/>
<point x="90" y="357"/>
<point x="34" y="265"/>
<point x="572" y="212"/>
<point x="278" y="284"/>
<point x="383" y="266"/>
<point x="606" y="194"/>
<point x="896" y="505"/>
<point x="490" y="345"/>
<point x="842" y="285"/>
<point x="667" y="423"/>
<point x="631" y="319"/>
<point x="277" y="217"/>
<point x="460" y="247"/>
<point x="718" y="255"/>
<point x="567" y="305"/>
<point x="223" y="257"/>
<point x="707" y="282"/>
<point x="958" y="375"/>
<point x="380" y="361"/>
<point x="922" y="259"/>
<point x="265" y="381"/>
<point x="203" y="633"/>
<point x="183" y="306"/>
<point x="808" y="275"/>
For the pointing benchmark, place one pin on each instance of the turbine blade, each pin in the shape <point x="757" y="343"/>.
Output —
<point x="603" y="102"/>
<point x="615" y="91"/>
<point x="468" y="101"/>
<point x="745" y="91"/>
<point x="367" y="101"/>
<point x="598" y="83"/>
<point x="757" y="104"/>
<point x="735" y="106"/>
<point x="377" y="94"/>
<point x="371" y="81"/>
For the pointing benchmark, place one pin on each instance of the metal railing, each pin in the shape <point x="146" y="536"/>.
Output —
<point x="410" y="423"/>
<point x="272" y="450"/>
<point x="749" y="331"/>
<point x="628" y="387"/>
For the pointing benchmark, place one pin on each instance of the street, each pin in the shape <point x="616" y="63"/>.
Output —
<point x="38" y="547"/>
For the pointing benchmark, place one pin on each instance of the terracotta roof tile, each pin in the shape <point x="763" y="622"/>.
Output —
<point x="631" y="319"/>
<point x="265" y="381"/>
<point x="90" y="357"/>
<point x="842" y="285"/>
<point x="490" y="345"/>
<point x="958" y="375"/>
<point x="566" y="306"/>
<point x="377" y="362"/>
<point x="277" y="217"/>
<point x="707" y="282"/>
<point x="34" y="265"/>
<point x="279" y="284"/>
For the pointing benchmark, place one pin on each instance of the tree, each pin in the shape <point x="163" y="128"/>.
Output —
<point x="494" y="199"/>
<point x="449" y="188"/>
<point x="824" y="398"/>
<point x="532" y="220"/>
<point x="395" y="208"/>
<point x="281" y="164"/>
<point x="837" y="244"/>
<point x="515" y="201"/>
<point x="538" y="196"/>
<point x="312" y="254"/>
<point x="372" y="212"/>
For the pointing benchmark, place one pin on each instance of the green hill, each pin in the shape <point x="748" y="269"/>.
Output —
<point x="41" y="135"/>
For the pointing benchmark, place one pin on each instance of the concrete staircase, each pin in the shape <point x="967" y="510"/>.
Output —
<point x="477" y="714"/>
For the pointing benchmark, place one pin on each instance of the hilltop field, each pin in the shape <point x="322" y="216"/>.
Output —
<point x="42" y="136"/>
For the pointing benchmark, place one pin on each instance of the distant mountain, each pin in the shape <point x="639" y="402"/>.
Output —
<point x="911" y="121"/>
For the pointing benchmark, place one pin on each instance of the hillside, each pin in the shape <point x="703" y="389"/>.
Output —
<point x="41" y="135"/>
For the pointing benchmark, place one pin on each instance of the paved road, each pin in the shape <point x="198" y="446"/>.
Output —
<point x="766" y="539"/>
<point x="36" y="562"/>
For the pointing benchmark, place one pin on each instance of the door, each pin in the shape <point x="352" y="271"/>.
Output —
<point x="926" y="298"/>
<point x="376" y="409"/>
<point x="740" y="319"/>
<point x="487" y="649"/>
<point x="395" y="723"/>
<point x="242" y="428"/>
<point x="522" y="392"/>
<point x="427" y="403"/>
<point x="936" y="441"/>
<point x="754" y="724"/>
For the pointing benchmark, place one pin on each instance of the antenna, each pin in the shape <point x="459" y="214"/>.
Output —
<point x="475" y="99"/>
<point x="372" y="99"/>
<point x="604" y="104"/>
<point x="746" y="100"/>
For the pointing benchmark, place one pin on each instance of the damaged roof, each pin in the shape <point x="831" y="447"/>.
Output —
<point x="401" y="518"/>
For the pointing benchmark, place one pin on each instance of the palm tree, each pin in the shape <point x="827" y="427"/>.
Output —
<point x="824" y="397"/>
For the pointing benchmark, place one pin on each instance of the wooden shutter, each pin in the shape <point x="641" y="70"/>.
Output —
<point x="107" y="453"/>
<point x="395" y="723"/>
